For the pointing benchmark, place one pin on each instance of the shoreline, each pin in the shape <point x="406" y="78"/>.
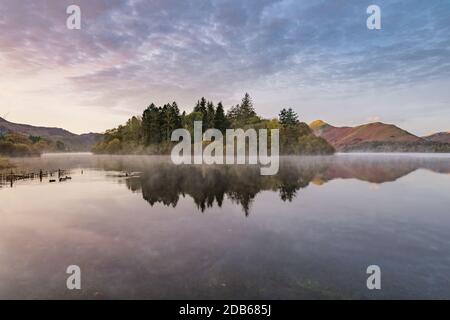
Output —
<point x="8" y="162"/>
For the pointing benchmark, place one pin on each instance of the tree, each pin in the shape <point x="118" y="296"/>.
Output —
<point x="183" y="118"/>
<point x="297" y="137"/>
<point x="210" y="115"/>
<point x="290" y="131"/>
<point x="233" y="114"/>
<point x="113" y="146"/>
<point x="220" y="121"/>
<point x="288" y="118"/>
<point x="132" y="130"/>
<point x="165" y="121"/>
<point x="201" y="107"/>
<point x="152" y="133"/>
<point x="177" y="122"/>
<point x="243" y="114"/>
<point x="169" y="120"/>
<point x="34" y="139"/>
<point x="151" y="127"/>
<point x="189" y="122"/>
<point x="246" y="110"/>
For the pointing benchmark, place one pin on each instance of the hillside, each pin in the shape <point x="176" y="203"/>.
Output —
<point x="443" y="137"/>
<point x="375" y="136"/>
<point x="69" y="140"/>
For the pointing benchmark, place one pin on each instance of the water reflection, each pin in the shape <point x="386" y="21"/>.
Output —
<point x="311" y="233"/>
<point x="208" y="185"/>
<point x="160" y="181"/>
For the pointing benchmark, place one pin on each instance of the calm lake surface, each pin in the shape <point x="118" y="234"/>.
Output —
<point x="142" y="228"/>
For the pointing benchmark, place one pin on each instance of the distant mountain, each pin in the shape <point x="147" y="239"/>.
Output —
<point x="443" y="137"/>
<point x="377" y="136"/>
<point x="72" y="141"/>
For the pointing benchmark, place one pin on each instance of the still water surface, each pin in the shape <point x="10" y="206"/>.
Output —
<point x="140" y="227"/>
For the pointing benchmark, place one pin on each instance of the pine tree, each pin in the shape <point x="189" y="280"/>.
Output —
<point x="184" y="122"/>
<point x="210" y="115"/>
<point x="151" y="128"/>
<point x="170" y="120"/>
<point x="201" y="107"/>
<point x="288" y="118"/>
<point x="220" y="121"/>
<point x="243" y="114"/>
<point x="165" y="120"/>
<point x="176" y="115"/>
<point x="233" y="113"/>
<point x="246" y="109"/>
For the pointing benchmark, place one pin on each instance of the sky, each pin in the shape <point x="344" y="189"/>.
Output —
<point x="317" y="57"/>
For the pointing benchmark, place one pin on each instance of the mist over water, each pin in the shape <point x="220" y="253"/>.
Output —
<point x="141" y="227"/>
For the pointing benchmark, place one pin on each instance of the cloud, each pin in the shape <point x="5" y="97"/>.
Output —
<point x="130" y="53"/>
<point x="374" y="119"/>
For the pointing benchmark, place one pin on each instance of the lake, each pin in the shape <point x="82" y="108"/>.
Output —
<point x="142" y="228"/>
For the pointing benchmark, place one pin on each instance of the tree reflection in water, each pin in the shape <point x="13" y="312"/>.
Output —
<point x="160" y="181"/>
<point x="164" y="182"/>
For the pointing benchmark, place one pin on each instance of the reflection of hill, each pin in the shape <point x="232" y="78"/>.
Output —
<point x="160" y="181"/>
<point x="380" y="169"/>
<point x="370" y="172"/>
<point x="209" y="185"/>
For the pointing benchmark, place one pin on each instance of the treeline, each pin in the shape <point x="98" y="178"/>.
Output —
<point x="19" y="145"/>
<point x="151" y="132"/>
